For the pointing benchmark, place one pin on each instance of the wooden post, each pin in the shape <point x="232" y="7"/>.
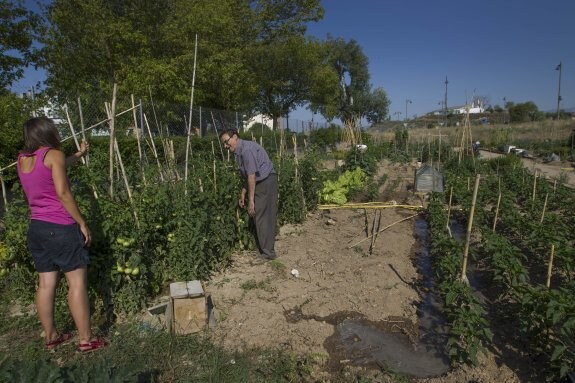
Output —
<point x="73" y="132"/>
<point x="468" y="236"/>
<point x="449" y="210"/>
<point x="138" y="139"/>
<point x="126" y="183"/>
<point x="534" y="185"/>
<point x="154" y="148"/>
<point x="190" y="121"/>
<point x="496" y="213"/>
<point x="112" y="118"/>
<point x="87" y="155"/>
<point x="550" y="266"/>
<point x="4" y="198"/>
<point x="544" y="207"/>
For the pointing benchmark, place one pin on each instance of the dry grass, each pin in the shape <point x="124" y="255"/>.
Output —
<point x="493" y="135"/>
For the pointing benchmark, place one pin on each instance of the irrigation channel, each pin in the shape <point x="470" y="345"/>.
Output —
<point x="394" y="344"/>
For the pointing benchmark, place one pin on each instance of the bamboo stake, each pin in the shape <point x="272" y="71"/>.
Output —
<point x="111" y="148"/>
<point x="385" y="228"/>
<point x="468" y="236"/>
<point x="138" y="139"/>
<point x="191" y="114"/>
<point x="550" y="266"/>
<point x="83" y="129"/>
<point x="201" y="186"/>
<point x="215" y="176"/>
<point x="4" y="198"/>
<point x="554" y="185"/>
<point x="534" y="185"/>
<point x="217" y="134"/>
<point x="126" y="183"/>
<point x="496" y="213"/>
<point x="449" y="210"/>
<point x="73" y="132"/>
<point x="544" y="207"/>
<point x="84" y="161"/>
<point x="468" y="183"/>
<point x="154" y="148"/>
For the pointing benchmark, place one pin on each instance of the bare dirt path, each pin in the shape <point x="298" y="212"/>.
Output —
<point x="265" y="305"/>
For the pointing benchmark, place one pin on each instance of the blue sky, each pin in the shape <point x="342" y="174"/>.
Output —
<point x="488" y="48"/>
<point x="495" y="49"/>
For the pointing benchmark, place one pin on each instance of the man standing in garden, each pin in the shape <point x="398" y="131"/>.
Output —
<point x="261" y="186"/>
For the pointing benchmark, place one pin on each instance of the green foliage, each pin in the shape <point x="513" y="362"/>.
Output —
<point x="17" y="28"/>
<point x="524" y="112"/>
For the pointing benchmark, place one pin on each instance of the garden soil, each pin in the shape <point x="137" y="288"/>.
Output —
<point x="324" y="274"/>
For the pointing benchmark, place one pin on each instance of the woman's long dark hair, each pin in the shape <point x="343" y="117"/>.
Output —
<point x="40" y="131"/>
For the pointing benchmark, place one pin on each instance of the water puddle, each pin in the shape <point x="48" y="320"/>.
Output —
<point x="394" y="344"/>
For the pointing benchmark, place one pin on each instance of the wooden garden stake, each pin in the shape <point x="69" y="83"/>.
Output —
<point x="468" y="184"/>
<point x="544" y="207"/>
<point x="138" y="138"/>
<point x="154" y="148"/>
<point x="73" y="132"/>
<point x="215" y="177"/>
<point x="87" y="155"/>
<point x="190" y="121"/>
<point x="449" y="210"/>
<point x="201" y="186"/>
<point x="550" y="267"/>
<point x="554" y="185"/>
<point x="126" y="184"/>
<point x="4" y="192"/>
<point x="217" y="134"/>
<point x="111" y="116"/>
<point x="496" y="212"/>
<point x="534" y="185"/>
<point x="468" y="236"/>
<point x="385" y="228"/>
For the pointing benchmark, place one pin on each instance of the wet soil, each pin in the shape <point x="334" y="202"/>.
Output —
<point x="349" y="308"/>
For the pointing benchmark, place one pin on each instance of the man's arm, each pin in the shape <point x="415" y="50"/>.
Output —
<point x="251" y="194"/>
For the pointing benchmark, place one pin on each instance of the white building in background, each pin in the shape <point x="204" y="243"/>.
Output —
<point x="261" y="119"/>
<point x="475" y="108"/>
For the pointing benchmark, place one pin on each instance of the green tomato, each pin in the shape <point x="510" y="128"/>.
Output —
<point x="128" y="270"/>
<point x="3" y="272"/>
<point x="135" y="271"/>
<point x="119" y="268"/>
<point x="120" y="241"/>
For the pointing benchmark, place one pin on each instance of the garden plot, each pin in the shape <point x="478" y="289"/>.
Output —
<point x="264" y="305"/>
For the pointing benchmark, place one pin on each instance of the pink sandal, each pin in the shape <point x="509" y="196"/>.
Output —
<point x="92" y="345"/>
<point x="63" y="338"/>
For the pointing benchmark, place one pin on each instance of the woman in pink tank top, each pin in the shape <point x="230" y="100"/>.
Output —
<point x="58" y="236"/>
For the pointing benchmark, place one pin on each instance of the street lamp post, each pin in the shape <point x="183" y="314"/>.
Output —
<point x="559" y="89"/>
<point x="406" y="102"/>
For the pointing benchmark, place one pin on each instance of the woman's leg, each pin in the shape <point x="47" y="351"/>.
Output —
<point x="78" y="302"/>
<point x="45" y="296"/>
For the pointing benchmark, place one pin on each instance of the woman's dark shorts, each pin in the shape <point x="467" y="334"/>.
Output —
<point x="57" y="247"/>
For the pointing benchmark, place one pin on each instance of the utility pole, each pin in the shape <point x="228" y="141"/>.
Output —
<point x="406" y="102"/>
<point x="559" y="91"/>
<point x="445" y="102"/>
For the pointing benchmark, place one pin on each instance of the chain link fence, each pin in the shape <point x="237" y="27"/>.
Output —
<point x="155" y="119"/>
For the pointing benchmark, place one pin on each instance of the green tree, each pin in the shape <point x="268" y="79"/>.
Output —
<point x="148" y="46"/>
<point x="288" y="72"/>
<point x="524" y="112"/>
<point x="355" y="98"/>
<point x="17" y="30"/>
<point x="13" y="113"/>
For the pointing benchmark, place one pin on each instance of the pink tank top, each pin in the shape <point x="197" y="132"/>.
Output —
<point x="40" y="191"/>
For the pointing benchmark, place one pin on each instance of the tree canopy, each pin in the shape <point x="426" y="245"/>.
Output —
<point x="17" y="30"/>
<point x="252" y="55"/>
